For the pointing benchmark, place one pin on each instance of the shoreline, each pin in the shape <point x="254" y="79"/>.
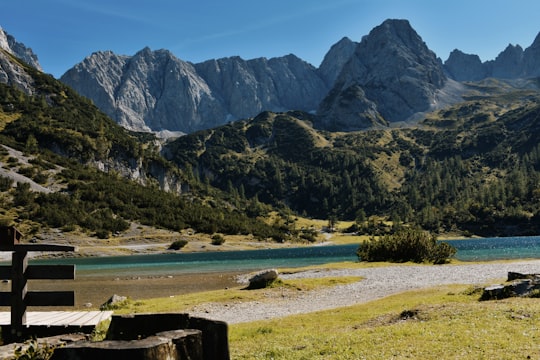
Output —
<point x="377" y="283"/>
<point x="91" y="291"/>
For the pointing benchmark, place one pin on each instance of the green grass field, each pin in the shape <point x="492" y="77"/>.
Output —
<point x="440" y="323"/>
<point x="444" y="322"/>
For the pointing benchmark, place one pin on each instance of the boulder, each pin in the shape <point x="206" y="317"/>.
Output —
<point x="516" y="276"/>
<point x="521" y="285"/>
<point x="113" y="301"/>
<point x="263" y="279"/>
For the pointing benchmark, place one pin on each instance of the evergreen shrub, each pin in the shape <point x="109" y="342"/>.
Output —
<point x="178" y="244"/>
<point x="406" y="245"/>
<point x="218" y="239"/>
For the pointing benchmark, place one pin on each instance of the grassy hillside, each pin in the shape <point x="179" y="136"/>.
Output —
<point x="471" y="167"/>
<point x="55" y="141"/>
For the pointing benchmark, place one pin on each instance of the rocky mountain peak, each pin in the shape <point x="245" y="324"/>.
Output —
<point x="531" y="59"/>
<point x="8" y="43"/>
<point x="391" y="76"/>
<point x="512" y="63"/>
<point x="154" y="90"/>
<point x="507" y="64"/>
<point x="464" y="67"/>
<point x="335" y="59"/>
<point x="12" y="72"/>
<point x="397" y="33"/>
<point x="394" y="47"/>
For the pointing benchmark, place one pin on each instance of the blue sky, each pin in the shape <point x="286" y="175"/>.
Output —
<point x="63" y="32"/>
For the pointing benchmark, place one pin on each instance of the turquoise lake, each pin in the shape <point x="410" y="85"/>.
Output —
<point x="176" y="263"/>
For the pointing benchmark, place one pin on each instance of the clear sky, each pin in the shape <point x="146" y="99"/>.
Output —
<point x="63" y="32"/>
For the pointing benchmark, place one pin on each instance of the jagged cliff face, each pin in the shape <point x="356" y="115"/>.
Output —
<point x="512" y="63"/>
<point x="144" y="92"/>
<point x="8" y="43"/>
<point x="531" y="59"/>
<point x="391" y="76"/>
<point x="334" y="61"/>
<point x="465" y="67"/>
<point x="154" y="90"/>
<point x="11" y="72"/>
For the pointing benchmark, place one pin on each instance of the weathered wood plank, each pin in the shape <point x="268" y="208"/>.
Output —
<point x="42" y="272"/>
<point x="60" y="318"/>
<point x="50" y="298"/>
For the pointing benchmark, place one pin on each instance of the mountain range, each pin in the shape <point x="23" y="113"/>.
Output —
<point x="470" y="163"/>
<point x="388" y="78"/>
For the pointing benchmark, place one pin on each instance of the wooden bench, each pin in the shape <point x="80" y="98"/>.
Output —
<point x="19" y="298"/>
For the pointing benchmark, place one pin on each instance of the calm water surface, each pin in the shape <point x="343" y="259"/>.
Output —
<point x="185" y="263"/>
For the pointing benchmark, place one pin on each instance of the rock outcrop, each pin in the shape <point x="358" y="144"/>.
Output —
<point x="154" y="90"/>
<point x="512" y="63"/>
<point x="518" y="285"/>
<point x="12" y="72"/>
<point x="465" y="67"/>
<point x="391" y="76"/>
<point x="333" y="62"/>
<point x="19" y="50"/>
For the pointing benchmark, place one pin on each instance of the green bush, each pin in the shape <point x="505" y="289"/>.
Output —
<point x="178" y="244"/>
<point x="406" y="245"/>
<point x="218" y="239"/>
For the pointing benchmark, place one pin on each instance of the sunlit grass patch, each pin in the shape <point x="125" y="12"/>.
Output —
<point x="446" y="322"/>
<point x="6" y="118"/>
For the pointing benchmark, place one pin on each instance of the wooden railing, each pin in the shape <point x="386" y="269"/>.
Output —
<point x="20" y="272"/>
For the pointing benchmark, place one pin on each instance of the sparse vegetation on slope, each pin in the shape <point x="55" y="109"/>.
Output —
<point x="64" y="138"/>
<point x="479" y="175"/>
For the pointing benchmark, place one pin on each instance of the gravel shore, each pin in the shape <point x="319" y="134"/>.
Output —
<point x="377" y="283"/>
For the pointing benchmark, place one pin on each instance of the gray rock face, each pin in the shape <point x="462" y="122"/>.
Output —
<point x="12" y="73"/>
<point x="147" y="91"/>
<point x="333" y="62"/>
<point x="154" y="90"/>
<point x="278" y="84"/>
<point x="465" y="67"/>
<point x="8" y="43"/>
<point x="531" y="59"/>
<point x="512" y="63"/>
<point x="507" y="65"/>
<point x="392" y="75"/>
<point x="99" y="75"/>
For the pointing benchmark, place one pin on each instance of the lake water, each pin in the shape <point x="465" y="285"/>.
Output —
<point x="247" y="260"/>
